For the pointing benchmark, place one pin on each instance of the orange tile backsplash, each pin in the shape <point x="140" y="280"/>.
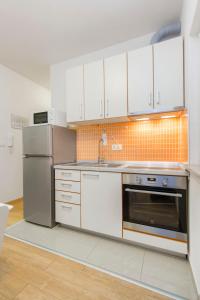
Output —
<point x="152" y="140"/>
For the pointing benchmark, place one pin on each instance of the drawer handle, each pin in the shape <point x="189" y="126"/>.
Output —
<point x="66" y="207"/>
<point x="66" y="196"/>
<point x="66" y="174"/>
<point x="67" y="185"/>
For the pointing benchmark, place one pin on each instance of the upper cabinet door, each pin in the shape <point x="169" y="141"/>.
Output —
<point x="74" y="94"/>
<point x="168" y="74"/>
<point x="140" y="80"/>
<point x="116" y="86"/>
<point x="94" y="90"/>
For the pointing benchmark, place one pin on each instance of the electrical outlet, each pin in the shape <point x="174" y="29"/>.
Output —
<point x="116" y="147"/>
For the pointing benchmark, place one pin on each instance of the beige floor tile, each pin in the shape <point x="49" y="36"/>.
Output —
<point x="117" y="257"/>
<point x="169" y="273"/>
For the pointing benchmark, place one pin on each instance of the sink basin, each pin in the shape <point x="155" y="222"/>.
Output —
<point x="92" y="164"/>
<point x="107" y="165"/>
<point x="79" y="164"/>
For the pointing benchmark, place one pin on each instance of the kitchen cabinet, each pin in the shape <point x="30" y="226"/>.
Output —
<point x="67" y="197"/>
<point x="101" y="202"/>
<point x="68" y="214"/>
<point x="94" y="90"/>
<point x="67" y="186"/>
<point x="116" y="86"/>
<point x="168" y="74"/>
<point x="154" y="76"/>
<point x="74" y="94"/>
<point x="140" y="80"/>
<point x="67" y="175"/>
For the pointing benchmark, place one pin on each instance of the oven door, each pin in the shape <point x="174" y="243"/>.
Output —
<point x="155" y="210"/>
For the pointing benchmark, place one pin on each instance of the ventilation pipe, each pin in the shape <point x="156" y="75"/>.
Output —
<point x="167" y="32"/>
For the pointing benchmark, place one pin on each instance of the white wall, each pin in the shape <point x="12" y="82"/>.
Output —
<point x="194" y="228"/>
<point x="19" y="96"/>
<point x="57" y="74"/>
<point x="187" y="17"/>
<point x="193" y="95"/>
<point x="194" y="155"/>
<point x="192" y="83"/>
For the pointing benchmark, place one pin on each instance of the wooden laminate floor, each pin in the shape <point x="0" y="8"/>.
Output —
<point x="29" y="273"/>
<point x="16" y="214"/>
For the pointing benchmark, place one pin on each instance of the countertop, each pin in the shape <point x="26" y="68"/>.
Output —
<point x="158" y="168"/>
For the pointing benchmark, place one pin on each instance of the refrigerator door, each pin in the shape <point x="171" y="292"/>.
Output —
<point x="37" y="140"/>
<point x="39" y="206"/>
<point x="64" y="145"/>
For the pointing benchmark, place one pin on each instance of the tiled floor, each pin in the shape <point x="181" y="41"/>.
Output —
<point x="163" y="271"/>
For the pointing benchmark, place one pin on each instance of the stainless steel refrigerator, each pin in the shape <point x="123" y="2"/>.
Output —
<point x="44" y="146"/>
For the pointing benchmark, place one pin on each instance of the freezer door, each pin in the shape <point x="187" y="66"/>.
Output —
<point x="37" y="140"/>
<point x="39" y="206"/>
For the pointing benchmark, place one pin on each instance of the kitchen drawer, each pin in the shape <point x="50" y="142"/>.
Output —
<point x="68" y="214"/>
<point x="67" y="186"/>
<point x="67" y="197"/>
<point x="67" y="175"/>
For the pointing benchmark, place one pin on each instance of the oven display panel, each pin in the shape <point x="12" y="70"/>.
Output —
<point x="151" y="180"/>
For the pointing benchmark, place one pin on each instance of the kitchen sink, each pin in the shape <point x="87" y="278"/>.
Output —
<point x="96" y="165"/>
<point x="107" y="165"/>
<point x="79" y="164"/>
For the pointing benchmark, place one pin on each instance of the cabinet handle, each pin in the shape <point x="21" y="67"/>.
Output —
<point x="158" y="97"/>
<point x="81" y="116"/>
<point x="107" y="108"/>
<point x="101" y="108"/>
<point x="66" y="207"/>
<point x="91" y="175"/>
<point x="150" y="99"/>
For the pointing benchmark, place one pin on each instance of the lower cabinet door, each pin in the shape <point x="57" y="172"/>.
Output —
<point x="68" y="214"/>
<point x="101" y="202"/>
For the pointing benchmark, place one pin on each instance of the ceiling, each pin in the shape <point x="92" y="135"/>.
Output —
<point x="37" y="33"/>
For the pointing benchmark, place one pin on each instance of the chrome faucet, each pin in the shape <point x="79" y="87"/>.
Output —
<point x="102" y="141"/>
<point x="100" y="159"/>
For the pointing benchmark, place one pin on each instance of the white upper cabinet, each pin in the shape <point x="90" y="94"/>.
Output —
<point x="168" y="74"/>
<point x="140" y="80"/>
<point x="94" y="90"/>
<point x="101" y="202"/>
<point x="116" y="86"/>
<point x="148" y="80"/>
<point x="75" y="94"/>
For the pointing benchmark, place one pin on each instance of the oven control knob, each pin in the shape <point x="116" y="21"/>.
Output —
<point x="138" y="180"/>
<point x="164" y="182"/>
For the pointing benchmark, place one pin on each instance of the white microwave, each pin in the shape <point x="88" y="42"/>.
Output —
<point x="52" y="117"/>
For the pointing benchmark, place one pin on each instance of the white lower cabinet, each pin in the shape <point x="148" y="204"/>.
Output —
<point x="68" y="197"/>
<point x="68" y="214"/>
<point x="101" y="202"/>
<point x="67" y="186"/>
<point x="71" y="175"/>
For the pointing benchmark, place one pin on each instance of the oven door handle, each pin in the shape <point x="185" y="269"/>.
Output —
<point x="154" y="193"/>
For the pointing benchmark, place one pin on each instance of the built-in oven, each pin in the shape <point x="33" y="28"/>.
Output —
<point x="155" y="204"/>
